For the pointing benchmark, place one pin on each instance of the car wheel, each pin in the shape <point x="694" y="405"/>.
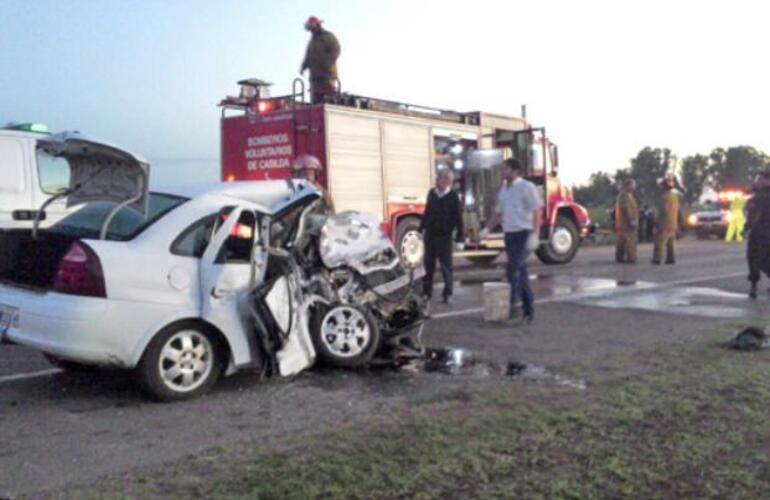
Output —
<point x="562" y="245"/>
<point x="344" y="335"/>
<point x="409" y="242"/>
<point x="183" y="361"/>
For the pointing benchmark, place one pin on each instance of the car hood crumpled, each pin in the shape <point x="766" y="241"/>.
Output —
<point x="100" y="171"/>
<point x="351" y="238"/>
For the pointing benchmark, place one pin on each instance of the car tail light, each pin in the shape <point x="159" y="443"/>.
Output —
<point x="80" y="273"/>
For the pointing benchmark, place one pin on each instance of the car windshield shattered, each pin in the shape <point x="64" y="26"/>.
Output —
<point x="126" y="224"/>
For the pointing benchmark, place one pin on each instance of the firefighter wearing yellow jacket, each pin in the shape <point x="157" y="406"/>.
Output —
<point x="321" y="59"/>
<point x="668" y="221"/>
<point x="737" y="219"/>
<point x="626" y="223"/>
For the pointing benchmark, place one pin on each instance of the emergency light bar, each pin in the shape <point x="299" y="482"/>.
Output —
<point x="730" y="195"/>
<point x="27" y="127"/>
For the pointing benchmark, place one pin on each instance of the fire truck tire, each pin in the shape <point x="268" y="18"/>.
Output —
<point x="563" y="244"/>
<point x="409" y="242"/>
<point x="483" y="261"/>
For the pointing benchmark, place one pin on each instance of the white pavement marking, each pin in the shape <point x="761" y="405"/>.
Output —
<point x="592" y="293"/>
<point x="25" y="376"/>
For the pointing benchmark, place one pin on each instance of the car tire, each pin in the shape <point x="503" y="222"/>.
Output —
<point x="562" y="245"/>
<point x="483" y="261"/>
<point x="344" y="336"/>
<point x="411" y="248"/>
<point x="181" y="362"/>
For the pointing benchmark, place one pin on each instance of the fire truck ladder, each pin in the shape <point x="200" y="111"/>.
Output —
<point x="402" y="108"/>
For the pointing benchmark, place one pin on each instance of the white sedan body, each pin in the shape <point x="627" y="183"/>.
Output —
<point x="149" y="286"/>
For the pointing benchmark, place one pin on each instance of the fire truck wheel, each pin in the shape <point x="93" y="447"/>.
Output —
<point x="409" y="242"/>
<point x="563" y="244"/>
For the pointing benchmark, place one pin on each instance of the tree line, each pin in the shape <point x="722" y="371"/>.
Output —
<point x="731" y="168"/>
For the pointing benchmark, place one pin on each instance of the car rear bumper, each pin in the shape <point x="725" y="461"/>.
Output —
<point x="82" y="329"/>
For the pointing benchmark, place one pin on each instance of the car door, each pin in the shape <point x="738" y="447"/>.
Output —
<point x="231" y="266"/>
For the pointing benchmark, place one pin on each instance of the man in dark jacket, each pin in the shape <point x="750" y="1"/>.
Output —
<point x="321" y="59"/>
<point x="442" y="220"/>
<point x="758" y="225"/>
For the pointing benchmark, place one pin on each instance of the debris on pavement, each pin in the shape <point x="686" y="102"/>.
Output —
<point x="464" y="362"/>
<point x="751" y="338"/>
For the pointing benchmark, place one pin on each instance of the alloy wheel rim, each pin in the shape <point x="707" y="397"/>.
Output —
<point x="186" y="361"/>
<point x="345" y="332"/>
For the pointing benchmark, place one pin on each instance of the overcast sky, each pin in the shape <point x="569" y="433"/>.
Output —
<point x="604" y="78"/>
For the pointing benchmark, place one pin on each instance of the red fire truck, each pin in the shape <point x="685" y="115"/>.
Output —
<point x="381" y="157"/>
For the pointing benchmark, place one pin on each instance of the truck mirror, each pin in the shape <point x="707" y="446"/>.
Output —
<point x="554" y="159"/>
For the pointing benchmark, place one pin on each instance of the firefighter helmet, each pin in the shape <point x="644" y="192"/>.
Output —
<point x="312" y="23"/>
<point x="307" y="162"/>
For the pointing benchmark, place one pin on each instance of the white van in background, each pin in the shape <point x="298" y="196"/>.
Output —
<point x="28" y="177"/>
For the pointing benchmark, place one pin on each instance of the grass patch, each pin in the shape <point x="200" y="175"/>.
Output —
<point x="679" y="421"/>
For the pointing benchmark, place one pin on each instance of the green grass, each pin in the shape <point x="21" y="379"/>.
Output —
<point x="680" y="421"/>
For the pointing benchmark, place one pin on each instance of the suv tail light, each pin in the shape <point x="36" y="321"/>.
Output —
<point x="80" y="272"/>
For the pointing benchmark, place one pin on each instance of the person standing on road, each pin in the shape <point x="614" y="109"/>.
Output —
<point x="309" y="168"/>
<point x="668" y="222"/>
<point x="321" y="55"/>
<point x="737" y="219"/>
<point x="626" y="222"/>
<point x="758" y="226"/>
<point x="441" y="222"/>
<point x="519" y="207"/>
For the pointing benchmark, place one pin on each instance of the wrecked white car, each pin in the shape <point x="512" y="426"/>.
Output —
<point x="184" y="285"/>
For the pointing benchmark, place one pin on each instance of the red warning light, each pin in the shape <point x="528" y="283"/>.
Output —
<point x="264" y="106"/>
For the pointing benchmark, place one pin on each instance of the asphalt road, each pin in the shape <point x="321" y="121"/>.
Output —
<point x="59" y="429"/>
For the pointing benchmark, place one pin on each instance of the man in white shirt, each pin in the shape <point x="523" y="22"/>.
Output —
<point x="519" y="206"/>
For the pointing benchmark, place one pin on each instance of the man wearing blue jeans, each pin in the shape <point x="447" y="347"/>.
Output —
<point x="519" y="208"/>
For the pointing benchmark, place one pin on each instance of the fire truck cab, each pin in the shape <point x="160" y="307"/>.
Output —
<point x="382" y="156"/>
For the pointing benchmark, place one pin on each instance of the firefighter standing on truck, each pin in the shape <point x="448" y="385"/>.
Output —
<point x="737" y="219"/>
<point x="308" y="167"/>
<point x="668" y="221"/>
<point x="626" y="222"/>
<point x="321" y="55"/>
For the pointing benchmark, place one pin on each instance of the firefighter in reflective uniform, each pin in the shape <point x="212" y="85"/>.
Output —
<point x="668" y="221"/>
<point x="758" y="226"/>
<point x="737" y="219"/>
<point x="321" y="59"/>
<point x="626" y="222"/>
<point x="309" y="168"/>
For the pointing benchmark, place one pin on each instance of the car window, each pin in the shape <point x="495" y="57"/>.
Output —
<point x="127" y="224"/>
<point x="53" y="171"/>
<point x="192" y="242"/>
<point x="238" y="245"/>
